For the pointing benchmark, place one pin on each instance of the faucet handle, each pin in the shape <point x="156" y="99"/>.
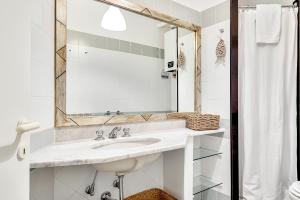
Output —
<point x="114" y="133"/>
<point x="126" y="132"/>
<point x="106" y="196"/>
<point x="99" y="134"/>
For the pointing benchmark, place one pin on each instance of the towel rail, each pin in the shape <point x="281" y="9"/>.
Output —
<point x="284" y="6"/>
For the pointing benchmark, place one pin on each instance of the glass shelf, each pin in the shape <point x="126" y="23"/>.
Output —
<point x="201" y="153"/>
<point x="202" y="184"/>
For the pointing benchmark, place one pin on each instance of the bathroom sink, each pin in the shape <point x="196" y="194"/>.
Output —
<point x="125" y="143"/>
<point x="122" y="167"/>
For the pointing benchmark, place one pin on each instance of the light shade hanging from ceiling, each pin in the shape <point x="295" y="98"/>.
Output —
<point x="113" y="20"/>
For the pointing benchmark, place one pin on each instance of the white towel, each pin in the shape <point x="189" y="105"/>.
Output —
<point x="268" y="23"/>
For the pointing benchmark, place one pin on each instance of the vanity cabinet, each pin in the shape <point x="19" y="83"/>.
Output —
<point x="181" y="170"/>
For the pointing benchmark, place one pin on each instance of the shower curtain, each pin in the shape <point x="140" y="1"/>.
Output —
<point x="267" y="109"/>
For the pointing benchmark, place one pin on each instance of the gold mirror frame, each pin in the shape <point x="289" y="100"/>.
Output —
<point x="61" y="118"/>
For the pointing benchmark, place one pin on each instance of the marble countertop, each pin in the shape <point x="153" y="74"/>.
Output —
<point x="81" y="152"/>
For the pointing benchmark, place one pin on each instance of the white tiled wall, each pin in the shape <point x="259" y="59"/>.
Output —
<point x="42" y="62"/>
<point x="66" y="183"/>
<point x="200" y="5"/>
<point x="215" y="98"/>
<point x="215" y="79"/>
<point x="42" y="90"/>
<point x="216" y="14"/>
<point x="75" y="133"/>
<point x="41" y="184"/>
<point x="41" y="138"/>
<point x="69" y="182"/>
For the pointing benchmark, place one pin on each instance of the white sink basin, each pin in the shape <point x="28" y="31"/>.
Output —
<point x="125" y="143"/>
<point x="122" y="167"/>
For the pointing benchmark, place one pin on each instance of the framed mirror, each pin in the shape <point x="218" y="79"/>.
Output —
<point x="119" y="62"/>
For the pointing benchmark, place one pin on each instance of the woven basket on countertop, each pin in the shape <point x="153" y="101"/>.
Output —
<point x="197" y="121"/>
<point x="153" y="194"/>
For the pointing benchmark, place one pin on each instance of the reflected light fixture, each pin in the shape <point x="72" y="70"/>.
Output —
<point x="113" y="20"/>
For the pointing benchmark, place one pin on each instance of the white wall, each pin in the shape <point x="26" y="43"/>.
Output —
<point x="199" y="5"/>
<point x="42" y="87"/>
<point x="105" y="80"/>
<point x="75" y="179"/>
<point x="65" y="183"/>
<point x="42" y="184"/>
<point x="42" y="62"/>
<point x="215" y="78"/>
<point x="215" y="99"/>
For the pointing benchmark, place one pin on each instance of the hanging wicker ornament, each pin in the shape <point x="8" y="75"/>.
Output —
<point x="221" y="51"/>
<point x="181" y="58"/>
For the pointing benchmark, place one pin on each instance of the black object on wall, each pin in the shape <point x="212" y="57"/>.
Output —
<point x="234" y="100"/>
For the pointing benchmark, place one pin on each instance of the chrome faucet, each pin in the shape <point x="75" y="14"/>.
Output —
<point x="114" y="133"/>
<point x="126" y="132"/>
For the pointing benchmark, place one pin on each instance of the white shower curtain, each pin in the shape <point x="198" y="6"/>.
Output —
<point x="267" y="109"/>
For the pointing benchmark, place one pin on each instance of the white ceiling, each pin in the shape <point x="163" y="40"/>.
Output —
<point x="199" y="5"/>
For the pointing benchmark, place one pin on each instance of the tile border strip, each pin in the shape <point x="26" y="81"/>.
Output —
<point x="86" y="40"/>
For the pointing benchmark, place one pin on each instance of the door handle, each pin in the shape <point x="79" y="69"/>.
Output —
<point x="25" y="126"/>
<point x="22" y="127"/>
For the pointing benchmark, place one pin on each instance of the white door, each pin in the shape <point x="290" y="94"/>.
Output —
<point x="14" y="96"/>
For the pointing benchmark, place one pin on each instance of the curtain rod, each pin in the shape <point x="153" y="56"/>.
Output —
<point x="284" y="6"/>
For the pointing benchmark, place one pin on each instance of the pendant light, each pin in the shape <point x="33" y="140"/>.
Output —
<point x="113" y="20"/>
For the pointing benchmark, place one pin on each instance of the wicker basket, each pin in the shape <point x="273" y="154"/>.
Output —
<point x="197" y="121"/>
<point x="153" y="194"/>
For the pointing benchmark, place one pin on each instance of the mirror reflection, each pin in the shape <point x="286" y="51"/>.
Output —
<point x="119" y="62"/>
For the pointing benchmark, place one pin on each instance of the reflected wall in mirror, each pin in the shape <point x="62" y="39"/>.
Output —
<point x="129" y="68"/>
<point x="112" y="72"/>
